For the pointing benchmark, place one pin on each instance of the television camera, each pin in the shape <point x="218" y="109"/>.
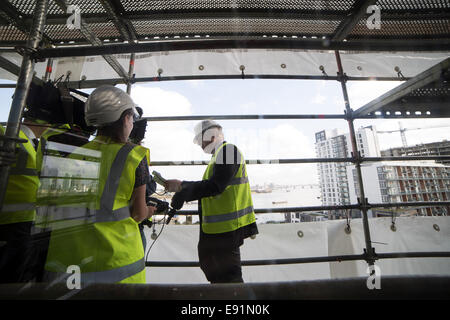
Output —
<point x="162" y="207"/>
<point x="55" y="103"/>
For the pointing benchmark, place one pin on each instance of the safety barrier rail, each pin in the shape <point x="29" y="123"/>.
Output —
<point x="338" y="258"/>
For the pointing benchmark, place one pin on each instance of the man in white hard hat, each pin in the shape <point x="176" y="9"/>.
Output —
<point x="225" y="205"/>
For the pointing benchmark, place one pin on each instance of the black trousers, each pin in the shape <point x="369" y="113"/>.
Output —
<point x="221" y="265"/>
<point x="15" y="246"/>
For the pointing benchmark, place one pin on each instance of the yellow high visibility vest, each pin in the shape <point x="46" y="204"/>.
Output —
<point x="233" y="208"/>
<point x="147" y="155"/>
<point x="20" y="200"/>
<point x="105" y="243"/>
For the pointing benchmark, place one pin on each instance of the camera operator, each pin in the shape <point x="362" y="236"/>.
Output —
<point x="108" y="249"/>
<point x="137" y="136"/>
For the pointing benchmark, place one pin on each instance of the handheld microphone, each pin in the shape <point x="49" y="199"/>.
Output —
<point x="159" y="179"/>
<point x="170" y="214"/>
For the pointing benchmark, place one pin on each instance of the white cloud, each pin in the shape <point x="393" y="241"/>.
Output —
<point x="362" y="92"/>
<point x="249" y="107"/>
<point x="196" y="83"/>
<point x="318" y="99"/>
<point x="286" y="141"/>
<point x="166" y="140"/>
<point x="158" y="102"/>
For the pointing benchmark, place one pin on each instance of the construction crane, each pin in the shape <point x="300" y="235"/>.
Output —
<point x="402" y="130"/>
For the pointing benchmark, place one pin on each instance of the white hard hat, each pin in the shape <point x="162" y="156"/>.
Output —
<point x="106" y="104"/>
<point x="201" y="127"/>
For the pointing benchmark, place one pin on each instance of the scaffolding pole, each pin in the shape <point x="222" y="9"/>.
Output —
<point x="302" y="160"/>
<point x="83" y="84"/>
<point x="48" y="69"/>
<point x="282" y="261"/>
<point x="247" y="43"/>
<point x="337" y="207"/>
<point x="23" y="84"/>
<point x="130" y="73"/>
<point x="362" y="197"/>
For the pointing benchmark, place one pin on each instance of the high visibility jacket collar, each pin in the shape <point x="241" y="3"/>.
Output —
<point x="28" y="132"/>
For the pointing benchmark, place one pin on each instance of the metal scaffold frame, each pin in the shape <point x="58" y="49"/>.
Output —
<point x="32" y="51"/>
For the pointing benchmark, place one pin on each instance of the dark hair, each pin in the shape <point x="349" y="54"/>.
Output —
<point x="113" y="130"/>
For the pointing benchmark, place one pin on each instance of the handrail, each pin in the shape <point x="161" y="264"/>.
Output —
<point x="247" y="117"/>
<point x="338" y="258"/>
<point x="254" y="161"/>
<point x="337" y="207"/>
<point x="83" y="84"/>
<point x="303" y="160"/>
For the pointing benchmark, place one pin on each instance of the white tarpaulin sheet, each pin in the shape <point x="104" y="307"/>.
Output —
<point x="229" y="62"/>
<point x="278" y="241"/>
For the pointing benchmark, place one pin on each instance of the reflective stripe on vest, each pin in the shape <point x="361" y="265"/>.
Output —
<point x="228" y="216"/>
<point x="241" y="180"/>
<point x="108" y="276"/>
<point x="112" y="182"/>
<point x="233" y="208"/>
<point x="18" y="207"/>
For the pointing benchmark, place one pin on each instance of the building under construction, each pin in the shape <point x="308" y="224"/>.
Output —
<point x="426" y="149"/>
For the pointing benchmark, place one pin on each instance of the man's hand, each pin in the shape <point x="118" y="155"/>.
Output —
<point x="173" y="185"/>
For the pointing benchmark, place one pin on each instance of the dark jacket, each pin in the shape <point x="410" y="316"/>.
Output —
<point x="220" y="179"/>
